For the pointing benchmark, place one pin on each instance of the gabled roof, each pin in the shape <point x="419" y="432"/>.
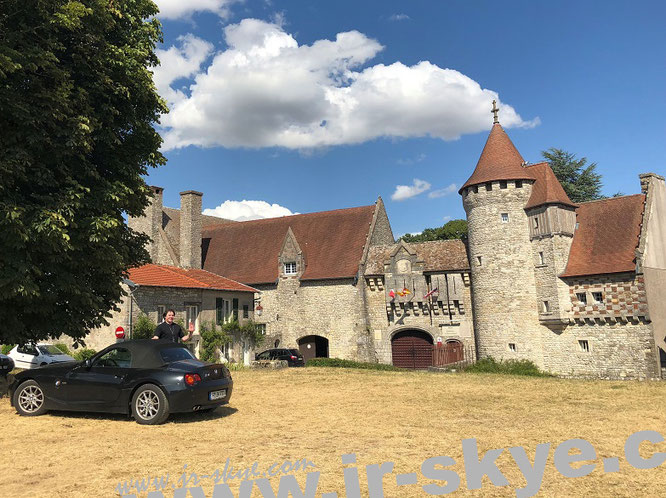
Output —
<point x="500" y="160"/>
<point x="547" y="189"/>
<point x="606" y="237"/>
<point x="438" y="255"/>
<point x="152" y="275"/>
<point x="332" y="243"/>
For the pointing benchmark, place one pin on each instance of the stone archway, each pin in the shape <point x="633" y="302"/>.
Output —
<point x="313" y="346"/>
<point x="412" y="349"/>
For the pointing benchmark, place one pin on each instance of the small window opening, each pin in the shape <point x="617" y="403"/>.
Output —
<point x="290" y="268"/>
<point x="582" y="297"/>
<point x="584" y="345"/>
<point x="505" y="217"/>
<point x="519" y="184"/>
<point x="535" y="222"/>
<point x="598" y="297"/>
<point x="476" y="189"/>
<point x="478" y="259"/>
<point x="545" y="307"/>
<point x="503" y="184"/>
<point x="542" y="261"/>
<point x="489" y="186"/>
<point x="512" y="347"/>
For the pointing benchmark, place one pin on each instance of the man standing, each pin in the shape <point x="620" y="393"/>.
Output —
<point x="169" y="331"/>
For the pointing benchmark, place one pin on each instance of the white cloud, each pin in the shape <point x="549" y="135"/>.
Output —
<point x="399" y="17"/>
<point x="248" y="210"/>
<point x="411" y="160"/>
<point x="446" y="219"/>
<point x="404" y="192"/>
<point x="175" y="9"/>
<point x="443" y="191"/>
<point x="179" y="62"/>
<point x="266" y="90"/>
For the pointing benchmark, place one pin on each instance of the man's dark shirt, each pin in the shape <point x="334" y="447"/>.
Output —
<point x="167" y="332"/>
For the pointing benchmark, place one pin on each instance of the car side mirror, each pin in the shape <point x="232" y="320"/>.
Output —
<point x="87" y="364"/>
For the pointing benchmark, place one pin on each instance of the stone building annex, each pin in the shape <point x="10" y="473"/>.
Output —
<point x="576" y="288"/>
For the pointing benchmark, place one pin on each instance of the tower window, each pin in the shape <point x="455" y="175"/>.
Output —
<point x="582" y="297"/>
<point x="503" y="184"/>
<point x="489" y="186"/>
<point x="512" y="347"/>
<point x="584" y="346"/>
<point x="519" y="184"/>
<point x="542" y="261"/>
<point x="476" y="189"/>
<point x="478" y="259"/>
<point x="598" y="297"/>
<point x="535" y="222"/>
<point x="545" y="307"/>
<point x="505" y="217"/>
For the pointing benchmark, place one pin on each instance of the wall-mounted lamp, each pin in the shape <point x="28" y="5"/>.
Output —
<point x="259" y="309"/>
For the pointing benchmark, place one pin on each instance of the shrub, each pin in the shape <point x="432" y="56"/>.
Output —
<point x="84" y="354"/>
<point x="63" y="347"/>
<point x="211" y="341"/>
<point x="340" y="363"/>
<point x="249" y="331"/>
<point x="508" y="367"/>
<point x="236" y="366"/>
<point x="144" y="328"/>
<point x="6" y="348"/>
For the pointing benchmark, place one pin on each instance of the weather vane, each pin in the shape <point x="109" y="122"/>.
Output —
<point x="495" y="111"/>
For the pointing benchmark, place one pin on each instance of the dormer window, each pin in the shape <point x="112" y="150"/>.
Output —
<point x="290" y="268"/>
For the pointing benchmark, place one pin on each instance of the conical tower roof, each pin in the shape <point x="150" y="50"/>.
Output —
<point x="500" y="160"/>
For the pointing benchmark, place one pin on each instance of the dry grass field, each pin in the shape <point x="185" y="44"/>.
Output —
<point x="321" y="414"/>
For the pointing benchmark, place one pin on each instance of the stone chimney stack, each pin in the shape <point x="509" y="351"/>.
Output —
<point x="647" y="179"/>
<point x="151" y="222"/>
<point x="190" y="229"/>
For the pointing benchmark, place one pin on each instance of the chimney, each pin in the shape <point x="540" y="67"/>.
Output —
<point x="150" y="222"/>
<point x="647" y="179"/>
<point x="190" y="229"/>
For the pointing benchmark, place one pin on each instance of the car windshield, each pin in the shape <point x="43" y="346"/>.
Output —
<point x="170" y="355"/>
<point x="295" y="352"/>
<point x="49" y="350"/>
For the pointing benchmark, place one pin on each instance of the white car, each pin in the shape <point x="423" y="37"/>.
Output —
<point x="32" y="356"/>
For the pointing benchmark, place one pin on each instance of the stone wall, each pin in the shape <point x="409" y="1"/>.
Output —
<point x="328" y="308"/>
<point x="613" y="350"/>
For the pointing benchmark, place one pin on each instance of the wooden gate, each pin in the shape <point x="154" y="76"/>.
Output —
<point x="412" y="349"/>
<point x="447" y="353"/>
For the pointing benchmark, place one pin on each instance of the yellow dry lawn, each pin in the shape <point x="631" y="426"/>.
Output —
<point x="321" y="414"/>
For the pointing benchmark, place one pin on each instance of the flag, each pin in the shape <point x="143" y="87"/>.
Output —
<point x="405" y="291"/>
<point x="436" y="289"/>
<point x="392" y="294"/>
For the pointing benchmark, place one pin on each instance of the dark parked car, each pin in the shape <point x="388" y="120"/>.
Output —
<point x="6" y="365"/>
<point x="293" y="356"/>
<point x="145" y="378"/>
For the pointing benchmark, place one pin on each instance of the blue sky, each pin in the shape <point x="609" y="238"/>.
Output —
<point x="314" y="105"/>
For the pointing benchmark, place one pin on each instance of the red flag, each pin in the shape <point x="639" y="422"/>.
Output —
<point x="436" y="289"/>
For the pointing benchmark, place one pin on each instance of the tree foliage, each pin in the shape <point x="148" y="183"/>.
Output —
<point x="454" y="229"/>
<point x="580" y="182"/>
<point x="144" y="328"/>
<point x="78" y="105"/>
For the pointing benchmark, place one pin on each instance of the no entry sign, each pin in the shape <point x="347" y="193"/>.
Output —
<point x="120" y="333"/>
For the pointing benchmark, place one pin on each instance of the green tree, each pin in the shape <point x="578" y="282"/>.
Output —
<point x="454" y="229"/>
<point x="144" y="328"/>
<point x="580" y="182"/>
<point x="77" y="107"/>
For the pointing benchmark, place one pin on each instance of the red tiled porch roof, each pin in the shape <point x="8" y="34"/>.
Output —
<point x="152" y="275"/>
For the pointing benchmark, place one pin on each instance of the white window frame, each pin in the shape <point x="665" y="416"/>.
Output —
<point x="505" y="217"/>
<point x="545" y="306"/>
<point x="189" y="310"/>
<point x="290" y="268"/>
<point x="594" y="298"/>
<point x="584" y="296"/>
<point x="161" y="309"/>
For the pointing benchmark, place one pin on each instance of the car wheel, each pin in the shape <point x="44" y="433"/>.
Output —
<point x="150" y="405"/>
<point x="43" y="363"/>
<point x="29" y="399"/>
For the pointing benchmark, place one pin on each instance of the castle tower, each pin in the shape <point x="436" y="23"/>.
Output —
<point x="506" y="314"/>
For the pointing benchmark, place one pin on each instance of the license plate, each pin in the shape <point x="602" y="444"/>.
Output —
<point x="217" y="394"/>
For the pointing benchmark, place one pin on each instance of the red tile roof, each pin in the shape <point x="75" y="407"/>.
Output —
<point x="606" y="237"/>
<point x="152" y="275"/>
<point x="500" y="160"/>
<point x="547" y="189"/>
<point x="332" y="243"/>
<point x="438" y="255"/>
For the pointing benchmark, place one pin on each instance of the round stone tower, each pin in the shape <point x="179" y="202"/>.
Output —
<point x="504" y="296"/>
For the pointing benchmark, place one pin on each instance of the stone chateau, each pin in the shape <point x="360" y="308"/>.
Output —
<point x="576" y="288"/>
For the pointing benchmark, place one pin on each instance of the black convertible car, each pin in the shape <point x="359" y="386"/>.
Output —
<point x="145" y="378"/>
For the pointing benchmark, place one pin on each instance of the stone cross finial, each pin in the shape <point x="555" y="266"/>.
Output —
<point x="494" y="112"/>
